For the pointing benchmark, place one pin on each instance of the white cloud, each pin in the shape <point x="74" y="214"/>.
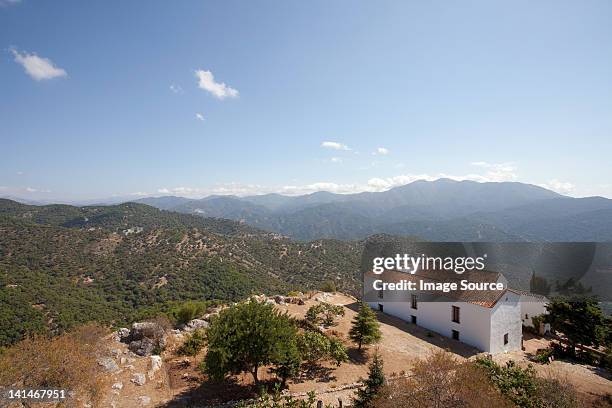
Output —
<point x="176" y="89"/>
<point x="206" y="81"/>
<point x="37" y="67"/>
<point x="561" y="187"/>
<point x="336" y="160"/>
<point x="495" y="171"/>
<point x="383" y="151"/>
<point x="335" y="146"/>
<point x="36" y="190"/>
<point x="199" y="116"/>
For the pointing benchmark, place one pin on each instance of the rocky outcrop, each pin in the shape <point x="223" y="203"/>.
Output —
<point x="146" y="338"/>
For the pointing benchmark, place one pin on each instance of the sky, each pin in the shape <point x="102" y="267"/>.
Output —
<point x="191" y="98"/>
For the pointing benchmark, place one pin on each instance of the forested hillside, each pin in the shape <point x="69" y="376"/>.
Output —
<point x="62" y="265"/>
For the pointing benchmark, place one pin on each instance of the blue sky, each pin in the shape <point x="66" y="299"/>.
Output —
<point x="197" y="97"/>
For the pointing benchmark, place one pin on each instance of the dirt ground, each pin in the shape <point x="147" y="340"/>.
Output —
<point x="181" y="382"/>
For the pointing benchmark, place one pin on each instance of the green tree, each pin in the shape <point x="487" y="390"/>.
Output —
<point x="314" y="346"/>
<point x="328" y="311"/>
<point x="374" y="382"/>
<point x="365" y="329"/>
<point x="247" y="336"/>
<point x="581" y="320"/>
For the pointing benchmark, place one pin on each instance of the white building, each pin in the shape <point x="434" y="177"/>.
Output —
<point x="489" y="320"/>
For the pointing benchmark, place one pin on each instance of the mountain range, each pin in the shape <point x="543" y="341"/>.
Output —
<point x="441" y="210"/>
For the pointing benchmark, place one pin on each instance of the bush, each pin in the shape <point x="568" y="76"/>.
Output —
<point x="314" y="346"/>
<point x="542" y="355"/>
<point x="68" y="362"/>
<point x="329" y="286"/>
<point x="525" y="390"/>
<point x="443" y="382"/>
<point x="189" y="311"/>
<point x="194" y="343"/>
<point x="330" y="313"/>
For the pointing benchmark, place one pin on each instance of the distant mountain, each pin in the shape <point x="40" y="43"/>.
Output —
<point x="165" y="202"/>
<point x="438" y="210"/>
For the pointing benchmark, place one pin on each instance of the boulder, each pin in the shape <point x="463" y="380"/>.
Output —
<point x="108" y="364"/>
<point x="139" y="379"/>
<point x="123" y="333"/>
<point x="143" y="347"/>
<point x="118" y="386"/>
<point x="146" y="337"/>
<point x="144" y="400"/>
<point x="196" y="324"/>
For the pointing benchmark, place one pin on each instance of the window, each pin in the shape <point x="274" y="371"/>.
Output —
<point x="380" y="307"/>
<point x="413" y="299"/>
<point x="455" y="316"/>
<point x="505" y="339"/>
<point x="455" y="335"/>
<point x="380" y="294"/>
<point x="413" y="319"/>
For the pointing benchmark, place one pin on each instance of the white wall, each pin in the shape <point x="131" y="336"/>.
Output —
<point x="506" y="318"/>
<point x="479" y="326"/>
<point x="531" y="306"/>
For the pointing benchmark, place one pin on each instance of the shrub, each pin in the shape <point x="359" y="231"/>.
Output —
<point x="67" y="362"/>
<point x="189" y="311"/>
<point x="314" y="346"/>
<point x="330" y="313"/>
<point x="194" y="343"/>
<point x="329" y="286"/>
<point x="542" y="355"/>
<point x="443" y="382"/>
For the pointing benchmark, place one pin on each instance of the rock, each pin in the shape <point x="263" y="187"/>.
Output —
<point x="196" y="324"/>
<point x="139" y="379"/>
<point x="156" y="363"/>
<point x="122" y="360"/>
<point x="118" y="386"/>
<point x="108" y="364"/>
<point x="144" y="400"/>
<point x="115" y="352"/>
<point x="123" y="333"/>
<point x="280" y="300"/>
<point x="146" y="337"/>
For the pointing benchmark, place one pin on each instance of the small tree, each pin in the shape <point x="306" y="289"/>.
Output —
<point x="376" y="379"/>
<point x="580" y="320"/>
<point x="314" y="346"/>
<point x="365" y="329"/>
<point x="330" y="313"/>
<point x="247" y="336"/>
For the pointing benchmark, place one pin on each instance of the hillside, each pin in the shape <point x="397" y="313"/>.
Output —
<point x="62" y="265"/>
<point x="443" y="210"/>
